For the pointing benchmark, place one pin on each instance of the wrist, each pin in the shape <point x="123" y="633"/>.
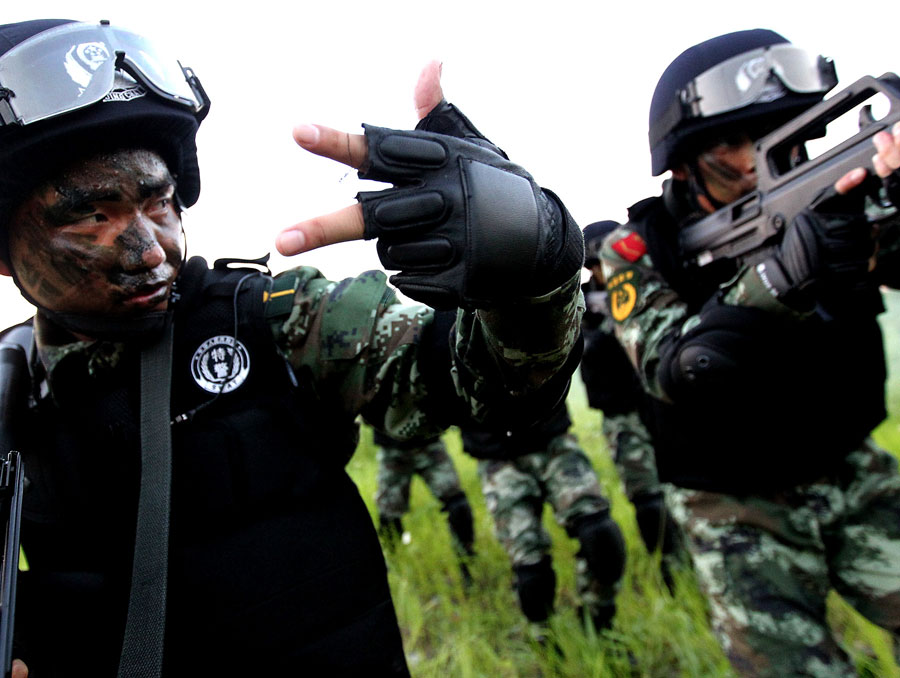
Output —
<point x="766" y="286"/>
<point x="562" y="256"/>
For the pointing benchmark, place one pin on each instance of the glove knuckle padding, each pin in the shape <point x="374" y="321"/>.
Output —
<point x="463" y="224"/>
<point x="394" y="156"/>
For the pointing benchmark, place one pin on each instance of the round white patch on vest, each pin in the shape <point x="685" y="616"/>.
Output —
<point x="220" y="364"/>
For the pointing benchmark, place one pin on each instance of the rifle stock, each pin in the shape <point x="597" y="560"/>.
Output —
<point x="746" y="228"/>
<point x="14" y="387"/>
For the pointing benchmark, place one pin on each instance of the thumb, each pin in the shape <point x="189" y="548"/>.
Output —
<point x="428" y="92"/>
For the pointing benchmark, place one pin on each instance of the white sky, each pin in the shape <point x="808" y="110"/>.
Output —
<point x="562" y="86"/>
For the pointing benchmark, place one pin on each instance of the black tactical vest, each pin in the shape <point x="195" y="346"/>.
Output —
<point x="610" y="381"/>
<point x="274" y="568"/>
<point x="803" y="396"/>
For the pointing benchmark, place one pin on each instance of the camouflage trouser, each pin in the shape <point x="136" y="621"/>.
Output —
<point x="767" y="564"/>
<point x="632" y="448"/>
<point x="515" y="491"/>
<point x="396" y="468"/>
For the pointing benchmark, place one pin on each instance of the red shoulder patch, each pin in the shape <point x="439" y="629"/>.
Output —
<point x="631" y="248"/>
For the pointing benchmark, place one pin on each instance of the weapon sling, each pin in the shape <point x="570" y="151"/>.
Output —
<point x="142" y="647"/>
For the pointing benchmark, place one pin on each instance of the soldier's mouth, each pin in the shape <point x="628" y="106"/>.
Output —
<point x="148" y="297"/>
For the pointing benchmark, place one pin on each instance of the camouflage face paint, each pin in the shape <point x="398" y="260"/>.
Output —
<point x="101" y="237"/>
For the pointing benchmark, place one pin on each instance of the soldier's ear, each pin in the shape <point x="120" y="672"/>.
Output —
<point x="4" y="269"/>
<point x="680" y="173"/>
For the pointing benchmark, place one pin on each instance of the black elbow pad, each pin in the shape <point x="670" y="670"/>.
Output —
<point x="728" y="343"/>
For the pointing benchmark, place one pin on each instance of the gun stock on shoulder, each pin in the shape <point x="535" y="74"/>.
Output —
<point x="746" y="228"/>
<point x="14" y="386"/>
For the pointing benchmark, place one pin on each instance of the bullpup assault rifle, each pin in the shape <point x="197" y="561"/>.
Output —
<point x="745" y="229"/>
<point x="14" y="388"/>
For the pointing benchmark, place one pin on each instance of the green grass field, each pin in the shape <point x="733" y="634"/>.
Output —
<point x="450" y="632"/>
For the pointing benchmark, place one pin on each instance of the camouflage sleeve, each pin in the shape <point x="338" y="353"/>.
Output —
<point x="520" y="346"/>
<point x="361" y="347"/>
<point x="645" y="309"/>
<point x="748" y="289"/>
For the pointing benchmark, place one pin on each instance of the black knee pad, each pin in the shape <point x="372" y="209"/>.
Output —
<point x="656" y="527"/>
<point x="459" y="516"/>
<point x="536" y="586"/>
<point x="602" y="546"/>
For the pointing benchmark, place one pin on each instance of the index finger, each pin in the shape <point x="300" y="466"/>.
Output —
<point x="850" y="180"/>
<point x="350" y="149"/>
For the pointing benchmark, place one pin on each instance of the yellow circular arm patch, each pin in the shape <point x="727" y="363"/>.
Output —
<point x="622" y="294"/>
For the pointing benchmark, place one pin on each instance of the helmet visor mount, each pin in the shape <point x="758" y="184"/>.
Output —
<point x="74" y="65"/>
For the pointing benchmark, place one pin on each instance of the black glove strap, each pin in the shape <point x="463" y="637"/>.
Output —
<point x="142" y="648"/>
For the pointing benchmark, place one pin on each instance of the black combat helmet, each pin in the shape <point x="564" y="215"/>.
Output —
<point x="68" y="88"/>
<point x="749" y="80"/>
<point x="594" y="235"/>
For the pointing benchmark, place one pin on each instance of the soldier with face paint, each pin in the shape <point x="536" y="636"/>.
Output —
<point x="767" y="377"/>
<point x="187" y="509"/>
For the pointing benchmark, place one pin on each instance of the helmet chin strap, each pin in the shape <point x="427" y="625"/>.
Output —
<point x="697" y="187"/>
<point x="680" y="196"/>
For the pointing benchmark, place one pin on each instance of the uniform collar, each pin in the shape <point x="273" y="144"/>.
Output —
<point x="60" y="351"/>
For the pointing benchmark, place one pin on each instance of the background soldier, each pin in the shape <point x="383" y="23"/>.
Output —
<point x="271" y="565"/>
<point x="768" y="378"/>
<point x="519" y="472"/>
<point x="614" y="388"/>
<point x="398" y="461"/>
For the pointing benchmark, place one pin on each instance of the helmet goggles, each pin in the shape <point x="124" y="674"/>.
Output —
<point x="746" y="79"/>
<point x="74" y="65"/>
<point x="757" y="76"/>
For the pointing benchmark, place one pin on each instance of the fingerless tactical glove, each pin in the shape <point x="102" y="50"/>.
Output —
<point x="826" y="247"/>
<point x="463" y="225"/>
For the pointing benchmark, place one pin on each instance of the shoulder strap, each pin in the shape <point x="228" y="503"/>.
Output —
<point x="21" y="335"/>
<point x="142" y="647"/>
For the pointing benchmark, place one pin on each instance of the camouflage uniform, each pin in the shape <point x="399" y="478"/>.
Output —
<point x="778" y="493"/>
<point x="632" y="449"/>
<point x="517" y="477"/>
<point x="353" y="347"/>
<point x="397" y="464"/>
<point x="613" y="387"/>
<point x="767" y="562"/>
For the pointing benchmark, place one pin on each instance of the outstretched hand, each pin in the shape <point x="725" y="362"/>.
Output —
<point x="351" y="150"/>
